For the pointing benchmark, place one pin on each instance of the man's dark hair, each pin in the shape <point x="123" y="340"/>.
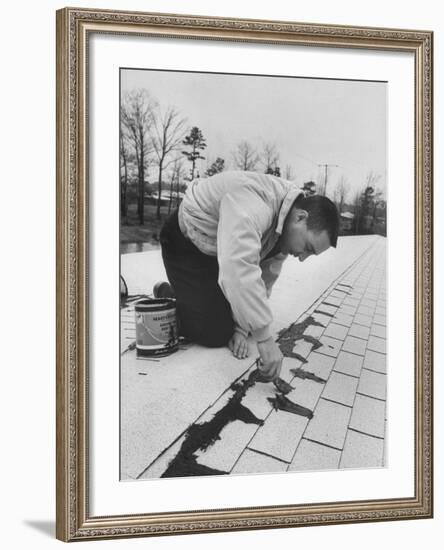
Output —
<point x="322" y="215"/>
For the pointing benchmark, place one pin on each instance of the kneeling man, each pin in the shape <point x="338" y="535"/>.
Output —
<point x="223" y="249"/>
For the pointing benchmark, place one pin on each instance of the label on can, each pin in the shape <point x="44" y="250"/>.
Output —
<point x="156" y="329"/>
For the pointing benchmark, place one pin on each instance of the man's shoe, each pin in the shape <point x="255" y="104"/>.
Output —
<point x="163" y="289"/>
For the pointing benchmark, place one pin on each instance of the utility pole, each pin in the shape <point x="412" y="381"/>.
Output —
<point x="326" y="167"/>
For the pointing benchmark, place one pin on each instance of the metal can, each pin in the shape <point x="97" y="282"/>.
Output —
<point x="156" y="327"/>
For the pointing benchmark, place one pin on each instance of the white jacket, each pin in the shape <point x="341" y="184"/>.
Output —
<point x="238" y="217"/>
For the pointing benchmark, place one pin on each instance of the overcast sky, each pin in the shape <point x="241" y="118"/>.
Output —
<point x="311" y="121"/>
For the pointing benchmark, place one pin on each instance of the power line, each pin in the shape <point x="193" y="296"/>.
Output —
<point x="326" y="167"/>
<point x="305" y="158"/>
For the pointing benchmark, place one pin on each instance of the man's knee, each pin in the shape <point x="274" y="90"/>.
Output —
<point x="212" y="331"/>
<point x="214" y="328"/>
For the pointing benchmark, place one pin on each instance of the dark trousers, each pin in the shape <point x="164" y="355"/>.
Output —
<point x="203" y="312"/>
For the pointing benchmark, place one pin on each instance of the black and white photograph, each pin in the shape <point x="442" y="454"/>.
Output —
<point x="253" y="251"/>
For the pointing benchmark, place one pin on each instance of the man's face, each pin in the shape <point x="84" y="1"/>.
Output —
<point x="298" y="240"/>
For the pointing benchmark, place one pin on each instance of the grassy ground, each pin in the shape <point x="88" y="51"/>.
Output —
<point x="131" y="232"/>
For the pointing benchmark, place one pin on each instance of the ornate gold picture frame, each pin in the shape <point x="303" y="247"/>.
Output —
<point x="75" y="518"/>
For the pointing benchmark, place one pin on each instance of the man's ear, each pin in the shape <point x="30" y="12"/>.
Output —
<point x="299" y="214"/>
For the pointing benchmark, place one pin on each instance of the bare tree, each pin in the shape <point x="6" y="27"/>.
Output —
<point x="379" y="207"/>
<point x="177" y="173"/>
<point x="372" y="198"/>
<point x="367" y="203"/>
<point x="136" y="122"/>
<point x="269" y="157"/>
<point x="168" y="133"/>
<point x="357" y="210"/>
<point x="341" y="192"/>
<point x="372" y="179"/>
<point x="245" y="156"/>
<point x="123" y="175"/>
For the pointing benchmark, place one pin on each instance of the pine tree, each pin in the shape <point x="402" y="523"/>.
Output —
<point x="197" y="143"/>
<point x="217" y="167"/>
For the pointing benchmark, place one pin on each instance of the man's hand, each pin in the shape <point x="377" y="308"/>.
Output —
<point x="271" y="359"/>
<point x="238" y="345"/>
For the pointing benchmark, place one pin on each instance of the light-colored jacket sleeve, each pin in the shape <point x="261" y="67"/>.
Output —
<point x="244" y="216"/>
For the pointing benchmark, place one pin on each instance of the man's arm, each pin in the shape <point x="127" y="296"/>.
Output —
<point x="243" y="218"/>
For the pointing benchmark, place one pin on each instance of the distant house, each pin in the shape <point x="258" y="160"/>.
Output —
<point x="165" y="197"/>
<point x="346" y="222"/>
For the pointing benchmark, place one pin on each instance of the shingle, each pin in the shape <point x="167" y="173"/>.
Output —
<point x="287" y="364"/>
<point x="368" y="416"/>
<point x="333" y="300"/>
<point x="336" y="331"/>
<point x="314" y="330"/>
<point x="280" y="435"/>
<point x="373" y="384"/>
<point x="321" y="317"/>
<point x="223" y="454"/>
<point x="319" y="364"/>
<point x="359" y="331"/>
<point x="379" y="320"/>
<point x="354" y="345"/>
<point x="378" y="330"/>
<point x="349" y="363"/>
<point x="340" y="388"/>
<point x="364" y="320"/>
<point x="329" y="424"/>
<point x="302" y="348"/>
<point x="364" y="310"/>
<point x="362" y="451"/>
<point x="347" y="309"/>
<point x="324" y="308"/>
<point x="330" y="346"/>
<point x="343" y="319"/>
<point x="337" y="293"/>
<point x="368" y="302"/>
<point x="251" y="462"/>
<point x="306" y="392"/>
<point x="256" y="398"/>
<point x="375" y="361"/>
<point x="349" y="301"/>
<point x="376" y="344"/>
<point x="313" y="456"/>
